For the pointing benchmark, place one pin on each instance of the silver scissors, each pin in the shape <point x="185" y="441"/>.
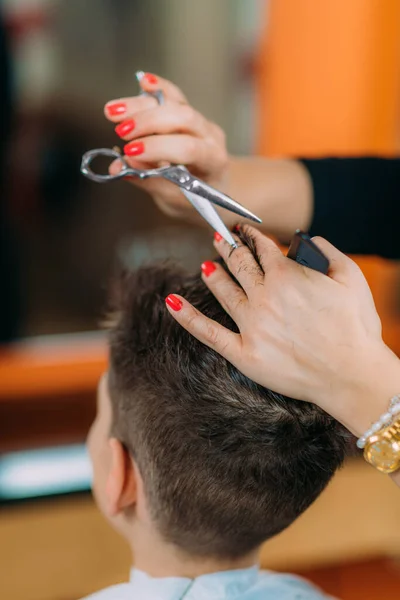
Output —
<point x="201" y="195"/>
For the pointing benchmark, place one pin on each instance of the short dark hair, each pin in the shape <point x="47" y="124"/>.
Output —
<point x="226" y="463"/>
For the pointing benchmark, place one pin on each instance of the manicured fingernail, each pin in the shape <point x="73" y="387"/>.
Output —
<point x="174" y="302"/>
<point x="208" y="267"/>
<point x="117" y="108"/>
<point x="236" y="228"/>
<point x="125" y="127"/>
<point x="134" y="148"/>
<point x="217" y="236"/>
<point x="150" y="78"/>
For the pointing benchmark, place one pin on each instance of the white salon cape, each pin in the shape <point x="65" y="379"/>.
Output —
<point x="245" y="584"/>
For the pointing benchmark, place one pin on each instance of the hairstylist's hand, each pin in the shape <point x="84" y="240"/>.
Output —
<point x="170" y="133"/>
<point x="302" y="334"/>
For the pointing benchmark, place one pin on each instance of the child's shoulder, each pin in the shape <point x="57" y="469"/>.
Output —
<point x="268" y="586"/>
<point x="122" y="591"/>
<point x="287" y="587"/>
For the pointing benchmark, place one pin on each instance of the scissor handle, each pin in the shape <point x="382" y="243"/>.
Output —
<point x="157" y="95"/>
<point x="177" y="174"/>
<point x="92" y="154"/>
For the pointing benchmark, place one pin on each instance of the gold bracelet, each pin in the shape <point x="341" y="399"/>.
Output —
<point x="382" y="449"/>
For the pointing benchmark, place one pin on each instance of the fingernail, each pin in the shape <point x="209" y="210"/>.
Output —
<point x="217" y="236"/>
<point x="134" y="148"/>
<point x="236" y="228"/>
<point x="125" y="127"/>
<point x="174" y="302"/>
<point x="117" y="108"/>
<point x="208" y="267"/>
<point x="150" y="78"/>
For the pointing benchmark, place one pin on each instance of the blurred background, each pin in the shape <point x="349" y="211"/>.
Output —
<point x="283" y="78"/>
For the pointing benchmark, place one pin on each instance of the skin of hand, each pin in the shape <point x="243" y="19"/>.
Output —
<point x="278" y="191"/>
<point x="173" y="132"/>
<point x="303" y="334"/>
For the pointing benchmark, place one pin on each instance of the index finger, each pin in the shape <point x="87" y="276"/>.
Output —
<point x="212" y="334"/>
<point x="262" y="251"/>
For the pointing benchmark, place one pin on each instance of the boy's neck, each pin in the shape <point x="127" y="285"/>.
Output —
<point x="159" y="559"/>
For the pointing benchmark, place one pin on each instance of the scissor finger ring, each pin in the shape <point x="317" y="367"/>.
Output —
<point x="157" y="95"/>
<point x="92" y="154"/>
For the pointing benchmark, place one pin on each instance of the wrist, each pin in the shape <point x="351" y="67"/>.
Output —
<point x="373" y="381"/>
<point x="279" y="191"/>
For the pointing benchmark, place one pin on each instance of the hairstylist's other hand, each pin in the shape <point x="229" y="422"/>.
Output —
<point x="173" y="132"/>
<point x="302" y="334"/>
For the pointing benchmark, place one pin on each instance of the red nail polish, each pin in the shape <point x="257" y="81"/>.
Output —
<point x="217" y="236"/>
<point x="150" y="78"/>
<point x="117" y="108"/>
<point x="134" y="148"/>
<point x="236" y="228"/>
<point x="174" y="302"/>
<point x="125" y="127"/>
<point x="208" y="267"/>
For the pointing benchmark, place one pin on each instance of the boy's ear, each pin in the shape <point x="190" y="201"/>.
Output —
<point x="121" y="486"/>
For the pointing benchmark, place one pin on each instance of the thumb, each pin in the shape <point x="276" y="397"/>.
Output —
<point x="341" y="268"/>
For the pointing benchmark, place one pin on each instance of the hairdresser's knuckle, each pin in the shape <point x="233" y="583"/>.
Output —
<point x="189" y="114"/>
<point x="212" y="335"/>
<point x="242" y="266"/>
<point x="236" y="303"/>
<point x="258" y="284"/>
<point x="254" y="349"/>
<point x="191" y="148"/>
<point x="255" y="272"/>
<point x="139" y="104"/>
<point x="193" y="320"/>
<point x="238" y="258"/>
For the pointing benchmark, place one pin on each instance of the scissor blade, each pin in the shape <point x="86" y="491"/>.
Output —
<point x="209" y="213"/>
<point x="212" y="195"/>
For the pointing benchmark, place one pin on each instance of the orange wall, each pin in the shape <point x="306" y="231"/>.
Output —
<point x="330" y="77"/>
<point x="329" y="84"/>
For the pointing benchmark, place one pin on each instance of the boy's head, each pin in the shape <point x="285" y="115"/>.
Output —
<point x="215" y="462"/>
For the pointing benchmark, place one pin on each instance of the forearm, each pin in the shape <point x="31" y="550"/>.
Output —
<point x="352" y="202"/>
<point x="278" y="191"/>
<point x="367" y="396"/>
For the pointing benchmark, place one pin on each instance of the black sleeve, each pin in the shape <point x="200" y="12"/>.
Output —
<point x="357" y="204"/>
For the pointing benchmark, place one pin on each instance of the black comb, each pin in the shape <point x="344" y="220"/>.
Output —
<point x="303" y="250"/>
